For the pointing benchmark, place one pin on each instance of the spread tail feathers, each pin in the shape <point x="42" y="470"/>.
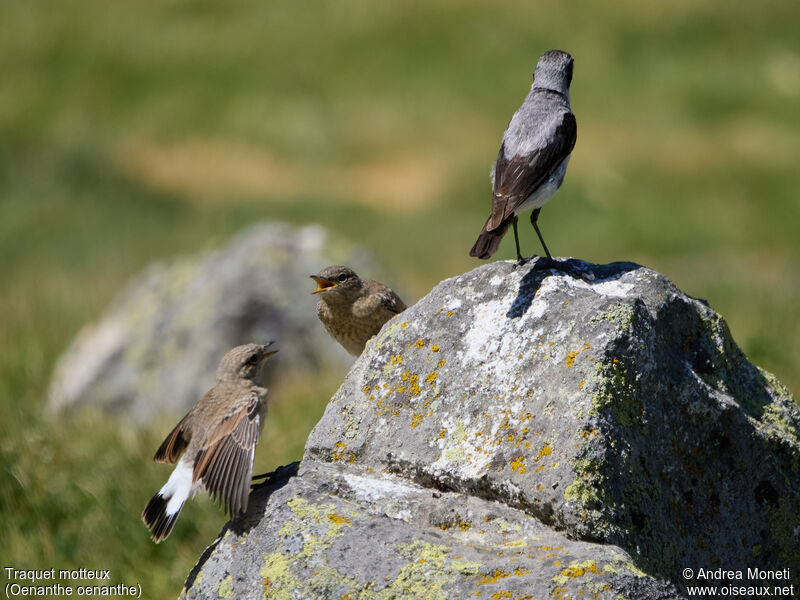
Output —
<point x="489" y="241"/>
<point x="162" y="511"/>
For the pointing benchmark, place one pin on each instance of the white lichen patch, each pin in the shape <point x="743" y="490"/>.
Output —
<point x="462" y="448"/>
<point x="453" y="304"/>
<point x="370" y="489"/>
<point x="613" y="288"/>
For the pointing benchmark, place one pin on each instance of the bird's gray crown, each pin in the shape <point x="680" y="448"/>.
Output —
<point x="553" y="72"/>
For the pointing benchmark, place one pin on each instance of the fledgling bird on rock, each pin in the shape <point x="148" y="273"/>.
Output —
<point x="353" y="309"/>
<point x="533" y="156"/>
<point x="218" y="440"/>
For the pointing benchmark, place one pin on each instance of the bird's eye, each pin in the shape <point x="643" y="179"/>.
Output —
<point x="342" y="277"/>
<point x="253" y="359"/>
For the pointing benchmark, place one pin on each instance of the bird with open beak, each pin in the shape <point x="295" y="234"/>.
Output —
<point x="353" y="309"/>
<point x="217" y="440"/>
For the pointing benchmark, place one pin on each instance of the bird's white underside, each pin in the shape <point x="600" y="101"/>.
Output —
<point x="545" y="191"/>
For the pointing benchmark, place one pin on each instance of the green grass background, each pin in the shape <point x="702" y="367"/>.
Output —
<point x="132" y="131"/>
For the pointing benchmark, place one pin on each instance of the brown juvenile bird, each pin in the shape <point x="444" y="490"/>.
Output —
<point x="219" y="436"/>
<point x="353" y="309"/>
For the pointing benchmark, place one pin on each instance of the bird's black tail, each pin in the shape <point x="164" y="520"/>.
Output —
<point x="156" y="518"/>
<point x="489" y="241"/>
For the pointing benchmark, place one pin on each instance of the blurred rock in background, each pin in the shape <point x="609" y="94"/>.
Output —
<point x="156" y="349"/>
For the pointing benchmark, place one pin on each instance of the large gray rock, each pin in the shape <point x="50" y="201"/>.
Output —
<point x="522" y="431"/>
<point x="157" y="348"/>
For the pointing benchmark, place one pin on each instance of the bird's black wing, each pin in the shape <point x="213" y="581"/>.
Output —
<point x="225" y="462"/>
<point x="518" y="177"/>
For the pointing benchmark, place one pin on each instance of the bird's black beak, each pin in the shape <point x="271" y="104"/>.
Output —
<point x="322" y="284"/>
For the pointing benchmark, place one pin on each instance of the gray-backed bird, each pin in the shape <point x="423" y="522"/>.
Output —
<point x="533" y="156"/>
<point x="218" y="440"/>
<point x="353" y="309"/>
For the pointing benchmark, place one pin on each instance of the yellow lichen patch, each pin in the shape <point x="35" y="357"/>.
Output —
<point x="367" y="389"/>
<point x="581" y="384"/>
<point x="518" y="465"/>
<point x="431" y="377"/>
<point x="396" y="359"/>
<point x="339" y="519"/>
<point x="404" y="325"/>
<point x="416" y="419"/>
<point x="425" y="576"/>
<point x="493" y="578"/>
<point x="275" y="573"/>
<point x="545" y="451"/>
<point x="576" y="570"/>
<point x="405" y="375"/>
<point x="414" y="385"/>
<point x="441" y="364"/>
<point x="339" y="453"/>
<point x="442" y="433"/>
<point x="571" y="358"/>
<point x="420" y="343"/>
<point x="465" y="567"/>
<point x="435" y="348"/>
<point x="449" y="313"/>
<point x="225" y="589"/>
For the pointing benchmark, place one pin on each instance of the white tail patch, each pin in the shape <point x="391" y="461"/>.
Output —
<point x="179" y="487"/>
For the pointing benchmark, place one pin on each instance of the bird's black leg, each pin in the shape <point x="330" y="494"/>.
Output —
<point x="549" y="262"/>
<point x="534" y="219"/>
<point x="546" y="262"/>
<point x="520" y="260"/>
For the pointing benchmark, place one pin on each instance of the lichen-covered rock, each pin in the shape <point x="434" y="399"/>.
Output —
<point x="610" y="407"/>
<point x="338" y="531"/>
<point x="157" y="347"/>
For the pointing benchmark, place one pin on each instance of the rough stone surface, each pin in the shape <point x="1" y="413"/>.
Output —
<point x="531" y="434"/>
<point x="157" y="347"/>
<point x="336" y="531"/>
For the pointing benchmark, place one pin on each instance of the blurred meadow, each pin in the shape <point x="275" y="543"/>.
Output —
<point x="134" y="131"/>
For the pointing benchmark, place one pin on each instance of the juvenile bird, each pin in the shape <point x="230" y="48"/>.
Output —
<point x="218" y="440"/>
<point x="353" y="309"/>
<point x="533" y="156"/>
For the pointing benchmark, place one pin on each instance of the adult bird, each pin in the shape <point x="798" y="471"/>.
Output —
<point x="533" y="156"/>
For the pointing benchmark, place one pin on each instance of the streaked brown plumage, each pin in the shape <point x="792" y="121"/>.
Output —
<point x="217" y="438"/>
<point x="353" y="309"/>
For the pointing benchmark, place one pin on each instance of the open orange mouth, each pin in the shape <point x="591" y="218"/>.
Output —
<point x="322" y="284"/>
